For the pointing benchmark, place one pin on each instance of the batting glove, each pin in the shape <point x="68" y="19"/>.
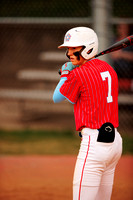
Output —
<point x="67" y="67"/>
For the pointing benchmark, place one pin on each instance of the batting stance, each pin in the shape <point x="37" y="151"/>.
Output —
<point x="92" y="86"/>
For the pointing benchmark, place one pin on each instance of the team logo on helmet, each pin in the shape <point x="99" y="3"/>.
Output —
<point x="68" y="36"/>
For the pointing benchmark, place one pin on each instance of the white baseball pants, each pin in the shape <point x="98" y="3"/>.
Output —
<point x="95" y="166"/>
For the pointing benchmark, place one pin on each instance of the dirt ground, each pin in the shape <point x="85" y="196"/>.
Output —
<point x="50" y="178"/>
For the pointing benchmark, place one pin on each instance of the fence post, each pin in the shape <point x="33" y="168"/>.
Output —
<point x="101" y="14"/>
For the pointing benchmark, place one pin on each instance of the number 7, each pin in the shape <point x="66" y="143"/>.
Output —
<point x="105" y="75"/>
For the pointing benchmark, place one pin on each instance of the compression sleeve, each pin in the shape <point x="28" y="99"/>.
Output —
<point x="57" y="96"/>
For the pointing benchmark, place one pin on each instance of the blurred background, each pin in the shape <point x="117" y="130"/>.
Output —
<point x="30" y="32"/>
<point x="30" y="123"/>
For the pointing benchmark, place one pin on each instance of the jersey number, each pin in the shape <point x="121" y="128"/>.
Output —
<point x="107" y="75"/>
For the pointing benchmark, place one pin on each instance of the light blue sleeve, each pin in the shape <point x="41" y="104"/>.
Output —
<point x="57" y="96"/>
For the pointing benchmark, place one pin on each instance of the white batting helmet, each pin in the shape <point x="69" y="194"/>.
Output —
<point x="82" y="36"/>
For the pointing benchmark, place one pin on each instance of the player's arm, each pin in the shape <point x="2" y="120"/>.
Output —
<point x="66" y="68"/>
<point x="57" y="96"/>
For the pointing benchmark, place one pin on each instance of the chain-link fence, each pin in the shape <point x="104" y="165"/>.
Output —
<point x="30" y="32"/>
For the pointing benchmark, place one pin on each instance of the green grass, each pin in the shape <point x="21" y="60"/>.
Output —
<point x="127" y="144"/>
<point x="29" y="142"/>
<point x="38" y="142"/>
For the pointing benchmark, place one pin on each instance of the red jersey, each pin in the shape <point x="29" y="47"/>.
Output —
<point x="93" y="88"/>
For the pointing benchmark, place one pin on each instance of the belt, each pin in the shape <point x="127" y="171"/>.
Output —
<point x="106" y="133"/>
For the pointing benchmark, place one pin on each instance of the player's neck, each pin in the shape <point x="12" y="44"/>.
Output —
<point x="83" y="62"/>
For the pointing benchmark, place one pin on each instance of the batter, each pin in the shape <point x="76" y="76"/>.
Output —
<point x="91" y="85"/>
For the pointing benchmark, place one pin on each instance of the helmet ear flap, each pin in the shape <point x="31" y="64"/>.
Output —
<point x="90" y="50"/>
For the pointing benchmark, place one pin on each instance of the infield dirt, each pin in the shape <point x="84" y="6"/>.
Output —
<point x="50" y="178"/>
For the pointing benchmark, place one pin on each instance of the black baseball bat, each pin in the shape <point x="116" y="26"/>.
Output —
<point x="126" y="42"/>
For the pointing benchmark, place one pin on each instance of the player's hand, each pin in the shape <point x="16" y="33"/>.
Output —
<point x="66" y="68"/>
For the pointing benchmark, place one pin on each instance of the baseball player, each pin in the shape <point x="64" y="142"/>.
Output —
<point x="91" y="85"/>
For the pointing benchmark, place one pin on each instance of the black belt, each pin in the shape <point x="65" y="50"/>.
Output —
<point x="106" y="133"/>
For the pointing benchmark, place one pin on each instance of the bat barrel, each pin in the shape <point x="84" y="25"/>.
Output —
<point x="128" y="41"/>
